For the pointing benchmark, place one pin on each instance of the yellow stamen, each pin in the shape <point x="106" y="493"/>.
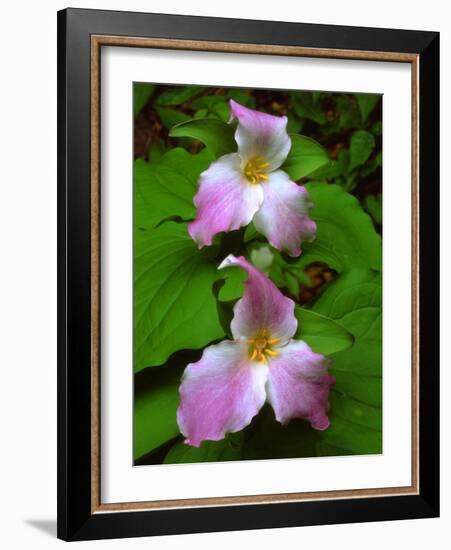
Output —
<point x="255" y="170"/>
<point x="260" y="347"/>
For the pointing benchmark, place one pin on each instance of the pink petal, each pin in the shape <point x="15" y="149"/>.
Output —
<point x="283" y="217"/>
<point x="298" y="384"/>
<point x="225" y="200"/>
<point x="262" y="308"/>
<point x="260" y="135"/>
<point x="220" y="393"/>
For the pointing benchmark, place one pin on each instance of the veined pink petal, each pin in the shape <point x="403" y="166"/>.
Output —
<point x="220" y="393"/>
<point x="298" y="384"/>
<point x="225" y="200"/>
<point x="260" y="135"/>
<point x="262" y="308"/>
<point x="283" y="217"/>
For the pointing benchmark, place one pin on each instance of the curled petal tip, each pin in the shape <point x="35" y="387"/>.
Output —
<point x="229" y="261"/>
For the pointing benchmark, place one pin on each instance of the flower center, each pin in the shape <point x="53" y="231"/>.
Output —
<point x="260" y="347"/>
<point x="255" y="170"/>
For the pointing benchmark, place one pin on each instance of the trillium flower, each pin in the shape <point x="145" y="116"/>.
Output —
<point x="249" y="186"/>
<point x="226" y="388"/>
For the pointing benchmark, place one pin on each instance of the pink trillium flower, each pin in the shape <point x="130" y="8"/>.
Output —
<point x="226" y="388"/>
<point x="249" y="186"/>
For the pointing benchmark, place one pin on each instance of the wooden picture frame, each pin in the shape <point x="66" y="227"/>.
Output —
<point x="81" y="35"/>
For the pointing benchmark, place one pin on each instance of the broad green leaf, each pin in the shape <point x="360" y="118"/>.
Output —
<point x="362" y="145"/>
<point x="354" y="411"/>
<point x="366" y="103"/>
<point x="322" y="334"/>
<point x="349" y="427"/>
<point x="216" y="135"/>
<point x="174" y="305"/>
<point x="345" y="236"/>
<point x="355" y="301"/>
<point x="170" y="117"/>
<point x="362" y="388"/>
<point x="141" y="95"/>
<point x="178" y="95"/>
<point x="166" y="188"/>
<point x="233" y="283"/>
<point x="306" y="155"/>
<point x="229" y="448"/>
<point x="155" y="407"/>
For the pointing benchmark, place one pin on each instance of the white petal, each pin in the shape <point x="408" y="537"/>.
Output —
<point x="226" y="200"/>
<point x="283" y="217"/>
<point x="261" y="135"/>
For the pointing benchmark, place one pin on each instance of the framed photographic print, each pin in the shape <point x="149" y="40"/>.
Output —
<point x="248" y="274"/>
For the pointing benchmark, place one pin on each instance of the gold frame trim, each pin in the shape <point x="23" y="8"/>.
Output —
<point x="97" y="41"/>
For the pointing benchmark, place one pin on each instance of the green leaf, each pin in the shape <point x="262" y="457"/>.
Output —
<point x="366" y="103"/>
<point x="156" y="151"/>
<point x="141" y="95"/>
<point x="155" y="407"/>
<point x="242" y="96"/>
<point x="376" y="128"/>
<point x="233" y="283"/>
<point x="345" y="236"/>
<point x="373" y="205"/>
<point x="208" y="102"/>
<point x="170" y="117"/>
<point x="355" y="301"/>
<point x="305" y="106"/>
<point x="334" y="168"/>
<point x="362" y="145"/>
<point x="174" y="305"/>
<point x="322" y="334"/>
<point x="216" y="135"/>
<point x="178" y="95"/>
<point x="306" y="155"/>
<point x="349" y="114"/>
<point x="212" y="106"/>
<point x="228" y="448"/>
<point x="348" y="426"/>
<point x="295" y="124"/>
<point x="166" y="188"/>
<point x="371" y="165"/>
